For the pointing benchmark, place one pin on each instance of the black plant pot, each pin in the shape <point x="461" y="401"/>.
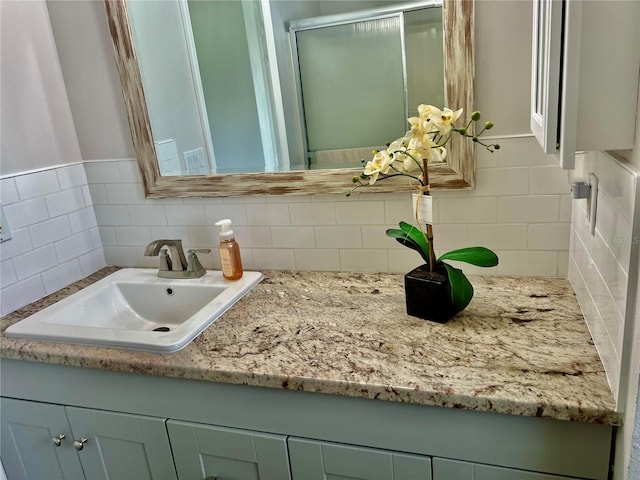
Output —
<point x="428" y="294"/>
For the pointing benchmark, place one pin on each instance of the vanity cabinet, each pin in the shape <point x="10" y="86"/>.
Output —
<point x="140" y="426"/>
<point x="313" y="460"/>
<point x="584" y="82"/>
<point x="41" y="440"/>
<point x="204" y="451"/>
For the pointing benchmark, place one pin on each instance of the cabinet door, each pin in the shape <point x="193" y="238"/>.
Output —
<point x="312" y="460"/>
<point x="121" y="446"/>
<point x="455" y="470"/>
<point x="27" y="447"/>
<point x="204" y="451"/>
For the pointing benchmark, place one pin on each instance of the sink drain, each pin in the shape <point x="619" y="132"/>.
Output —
<point x="161" y="329"/>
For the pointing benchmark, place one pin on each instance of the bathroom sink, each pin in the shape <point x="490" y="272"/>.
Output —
<point x="133" y="308"/>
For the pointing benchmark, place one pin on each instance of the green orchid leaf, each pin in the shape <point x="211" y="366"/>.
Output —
<point x="461" y="288"/>
<point x="407" y="241"/>
<point x="417" y="236"/>
<point x="479" y="256"/>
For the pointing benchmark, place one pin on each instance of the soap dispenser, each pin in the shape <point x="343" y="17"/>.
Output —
<point x="229" y="251"/>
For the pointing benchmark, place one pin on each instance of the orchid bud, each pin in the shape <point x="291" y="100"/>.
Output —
<point x="475" y="116"/>
<point x="475" y="139"/>
<point x="355" y="179"/>
<point x="496" y="147"/>
<point x="488" y="125"/>
<point x="462" y="131"/>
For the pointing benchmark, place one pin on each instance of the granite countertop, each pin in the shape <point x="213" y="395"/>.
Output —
<point x="521" y="347"/>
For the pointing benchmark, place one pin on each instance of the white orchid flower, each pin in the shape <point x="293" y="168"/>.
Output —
<point x="380" y="163"/>
<point x="443" y="119"/>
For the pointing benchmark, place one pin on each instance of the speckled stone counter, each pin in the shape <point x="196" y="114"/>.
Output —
<point x="520" y="348"/>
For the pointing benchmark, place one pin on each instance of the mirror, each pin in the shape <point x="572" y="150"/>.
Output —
<point x="457" y="20"/>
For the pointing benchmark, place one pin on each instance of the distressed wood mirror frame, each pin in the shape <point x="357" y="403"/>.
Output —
<point x="458" y="173"/>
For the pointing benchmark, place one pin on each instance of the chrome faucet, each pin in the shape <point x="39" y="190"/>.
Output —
<point x="176" y="265"/>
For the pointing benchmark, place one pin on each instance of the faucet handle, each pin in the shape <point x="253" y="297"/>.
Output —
<point x="193" y="263"/>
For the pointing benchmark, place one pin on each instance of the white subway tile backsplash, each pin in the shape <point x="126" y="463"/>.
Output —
<point x="600" y="263"/>
<point x="521" y="151"/>
<point x="404" y="260"/>
<point x="293" y="237"/>
<point x="267" y="214"/>
<point x="319" y="259"/>
<point x="272" y="259"/>
<point x="112" y="215"/>
<point x="358" y="260"/>
<point x="26" y="213"/>
<point x="237" y="213"/>
<point x="55" y="235"/>
<point x="83" y="219"/>
<point x="35" y="261"/>
<point x="468" y="210"/>
<point x="61" y="275"/>
<point x="338" y="237"/>
<point x="123" y="256"/>
<point x="548" y="236"/>
<point x="74" y="246"/>
<point x="565" y="209"/>
<point x="170" y="232"/>
<point x="21" y="294"/>
<point x="526" y="263"/>
<point x="374" y="236"/>
<point x="7" y="274"/>
<point x="49" y="231"/>
<point x="8" y="191"/>
<point x="102" y="172"/>
<point x="203" y="237"/>
<point x="71" y="176"/>
<point x="129" y="236"/>
<point x="451" y="236"/>
<point x="129" y="171"/>
<point x="499" y="236"/>
<point x="19" y="244"/>
<point x="98" y="192"/>
<point x="253" y="237"/>
<point x="147" y="215"/>
<point x="185" y="215"/>
<point x="108" y="235"/>
<point x="502" y="181"/>
<point x="92" y="261"/>
<point x="548" y="180"/>
<point x="528" y="209"/>
<point x="65" y="202"/>
<point x="37" y="184"/>
<point x="361" y="213"/>
<point x="125" y="194"/>
<point x="323" y="213"/>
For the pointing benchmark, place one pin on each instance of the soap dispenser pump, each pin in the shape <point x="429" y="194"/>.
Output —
<point x="229" y="251"/>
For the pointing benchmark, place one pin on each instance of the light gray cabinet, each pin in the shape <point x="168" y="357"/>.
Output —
<point x="214" y="429"/>
<point x="444" y="469"/>
<point x="43" y="441"/>
<point x="313" y="460"/>
<point x="203" y="451"/>
<point x="27" y="443"/>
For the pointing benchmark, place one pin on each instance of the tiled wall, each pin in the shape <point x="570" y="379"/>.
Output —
<point x="599" y="264"/>
<point x="520" y="208"/>
<point x="55" y="238"/>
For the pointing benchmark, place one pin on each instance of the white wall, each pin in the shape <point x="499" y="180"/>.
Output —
<point x="37" y="126"/>
<point x="49" y="211"/>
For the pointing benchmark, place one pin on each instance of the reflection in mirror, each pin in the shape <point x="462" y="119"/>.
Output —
<point x="200" y="112"/>
<point x="361" y="75"/>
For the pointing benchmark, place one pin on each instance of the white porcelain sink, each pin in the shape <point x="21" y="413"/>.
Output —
<point x="133" y="308"/>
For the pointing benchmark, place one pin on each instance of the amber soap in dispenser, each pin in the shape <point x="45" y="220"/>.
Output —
<point x="229" y="251"/>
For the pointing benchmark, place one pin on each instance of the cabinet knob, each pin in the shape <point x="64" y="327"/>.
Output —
<point x="58" y="439"/>
<point x="79" y="444"/>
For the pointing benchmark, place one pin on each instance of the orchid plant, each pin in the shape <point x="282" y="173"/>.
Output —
<point x="424" y="144"/>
